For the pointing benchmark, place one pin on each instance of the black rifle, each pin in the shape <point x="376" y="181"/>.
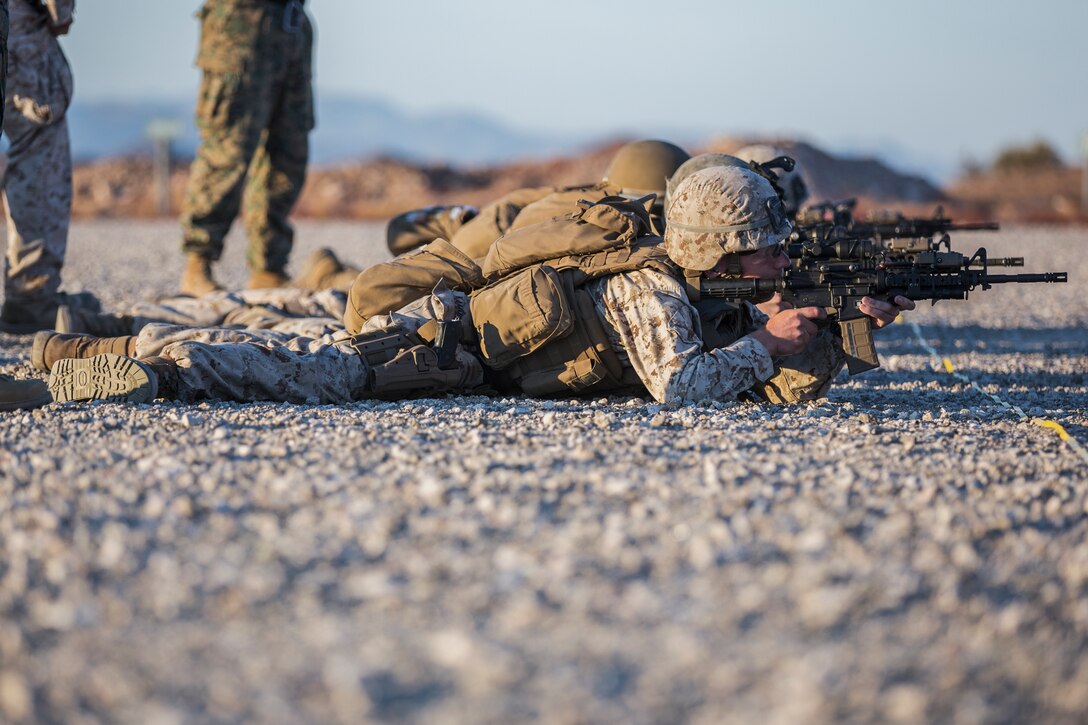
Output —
<point x="835" y="220"/>
<point x="924" y="252"/>
<point x="838" y="283"/>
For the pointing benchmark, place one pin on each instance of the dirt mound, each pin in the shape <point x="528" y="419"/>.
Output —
<point x="1045" y="195"/>
<point x="832" y="178"/>
<point x="372" y="189"/>
<point x="379" y="188"/>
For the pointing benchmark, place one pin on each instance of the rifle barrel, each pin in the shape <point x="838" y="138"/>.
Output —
<point x="1022" y="278"/>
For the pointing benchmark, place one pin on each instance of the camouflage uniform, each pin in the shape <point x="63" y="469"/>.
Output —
<point x="534" y="329"/>
<point x="38" y="179"/>
<point x="252" y="365"/>
<point x="654" y="329"/>
<point x="3" y="56"/>
<point x="254" y="112"/>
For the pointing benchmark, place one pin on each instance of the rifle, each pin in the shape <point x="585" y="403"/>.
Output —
<point x="835" y="220"/>
<point x="837" y="283"/>
<point x="925" y="252"/>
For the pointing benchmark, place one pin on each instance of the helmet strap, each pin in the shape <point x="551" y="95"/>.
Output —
<point x="692" y="283"/>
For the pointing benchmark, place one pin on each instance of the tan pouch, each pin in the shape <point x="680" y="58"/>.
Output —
<point x="578" y="363"/>
<point x="519" y="314"/>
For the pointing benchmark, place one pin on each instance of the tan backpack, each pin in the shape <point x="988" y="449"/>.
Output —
<point x="534" y="320"/>
<point x="529" y="312"/>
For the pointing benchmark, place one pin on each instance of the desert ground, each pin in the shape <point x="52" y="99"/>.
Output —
<point x="913" y="548"/>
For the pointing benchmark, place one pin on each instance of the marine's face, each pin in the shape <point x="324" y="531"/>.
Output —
<point x="768" y="263"/>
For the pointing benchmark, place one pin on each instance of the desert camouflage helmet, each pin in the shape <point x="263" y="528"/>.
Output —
<point x="643" y="167"/>
<point x="722" y="210"/>
<point x="794" y="190"/>
<point x="698" y="163"/>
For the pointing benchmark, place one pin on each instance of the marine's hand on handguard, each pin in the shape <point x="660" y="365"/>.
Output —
<point x="884" y="312"/>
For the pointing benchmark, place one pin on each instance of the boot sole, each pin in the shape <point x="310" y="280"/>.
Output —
<point x="108" y="377"/>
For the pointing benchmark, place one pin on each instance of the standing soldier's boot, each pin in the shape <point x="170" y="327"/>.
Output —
<point x="197" y="280"/>
<point x="260" y="279"/>
<point x="320" y="265"/>
<point x="49" y="347"/>
<point x="114" y="378"/>
<point x="324" y="270"/>
<point x="23" y="394"/>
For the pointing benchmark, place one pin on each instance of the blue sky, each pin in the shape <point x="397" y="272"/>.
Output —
<point x="942" y="80"/>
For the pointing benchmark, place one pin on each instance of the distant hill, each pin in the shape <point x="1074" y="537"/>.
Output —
<point x="831" y="177"/>
<point x="382" y="186"/>
<point x="347" y="128"/>
<point x="372" y="159"/>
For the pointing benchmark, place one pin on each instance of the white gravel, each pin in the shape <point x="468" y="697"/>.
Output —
<point x="908" y="550"/>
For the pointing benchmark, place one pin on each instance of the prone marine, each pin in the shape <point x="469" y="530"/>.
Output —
<point x="587" y="303"/>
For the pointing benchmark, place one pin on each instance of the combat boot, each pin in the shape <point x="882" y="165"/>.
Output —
<point x="197" y="280"/>
<point x="320" y="266"/>
<point x="113" y="378"/>
<point x="49" y="347"/>
<point x="260" y="279"/>
<point x="102" y="324"/>
<point x="23" y="394"/>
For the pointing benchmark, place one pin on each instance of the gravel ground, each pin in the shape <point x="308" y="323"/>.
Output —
<point x="907" y="550"/>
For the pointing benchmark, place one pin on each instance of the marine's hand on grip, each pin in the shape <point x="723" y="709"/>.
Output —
<point x="789" y="331"/>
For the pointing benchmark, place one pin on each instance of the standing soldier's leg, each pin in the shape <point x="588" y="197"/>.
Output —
<point x="38" y="178"/>
<point x="279" y="169"/>
<point x="233" y="109"/>
<point x="15" y="394"/>
<point x="38" y="197"/>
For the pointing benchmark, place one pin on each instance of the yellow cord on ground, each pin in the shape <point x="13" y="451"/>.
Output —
<point x="1054" y="426"/>
<point x="1073" y="443"/>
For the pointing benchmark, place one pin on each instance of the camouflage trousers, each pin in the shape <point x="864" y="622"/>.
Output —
<point x="256" y="365"/>
<point x="271" y="365"/>
<point x="38" y="179"/>
<point x="254" y="113"/>
<point x="294" y="312"/>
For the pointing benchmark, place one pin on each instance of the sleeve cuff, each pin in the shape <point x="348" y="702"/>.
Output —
<point x="759" y="317"/>
<point x="754" y="350"/>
